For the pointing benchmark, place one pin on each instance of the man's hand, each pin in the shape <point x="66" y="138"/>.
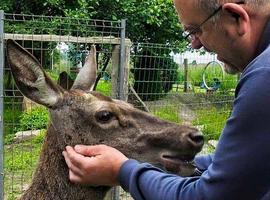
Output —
<point x="94" y="165"/>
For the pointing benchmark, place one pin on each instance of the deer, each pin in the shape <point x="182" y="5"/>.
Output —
<point x="83" y="116"/>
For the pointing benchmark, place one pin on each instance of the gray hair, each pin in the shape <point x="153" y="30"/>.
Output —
<point x="211" y="5"/>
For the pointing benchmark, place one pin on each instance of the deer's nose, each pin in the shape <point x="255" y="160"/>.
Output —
<point x="196" y="138"/>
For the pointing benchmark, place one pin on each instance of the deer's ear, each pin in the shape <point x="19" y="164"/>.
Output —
<point x="30" y="77"/>
<point x="87" y="76"/>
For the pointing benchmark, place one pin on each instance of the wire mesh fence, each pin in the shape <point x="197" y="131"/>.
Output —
<point x="189" y="87"/>
<point x="176" y="86"/>
<point x="61" y="46"/>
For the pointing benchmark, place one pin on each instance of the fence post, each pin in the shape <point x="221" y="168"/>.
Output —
<point x="115" y="71"/>
<point x="185" y="75"/>
<point x="1" y="104"/>
<point x="122" y="60"/>
<point x="126" y="70"/>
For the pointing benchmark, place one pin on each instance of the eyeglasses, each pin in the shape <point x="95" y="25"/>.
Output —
<point x="190" y="34"/>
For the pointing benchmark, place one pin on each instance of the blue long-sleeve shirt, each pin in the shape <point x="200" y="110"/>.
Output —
<point x="240" y="167"/>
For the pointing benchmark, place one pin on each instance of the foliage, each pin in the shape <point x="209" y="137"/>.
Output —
<point x="154" y="72"/>
<point x="105" y="87"/>
<point x="36" y="118"/>
<point x="147" y="21"/>
<point x="12" y="115"/>
<point x="152" y="21"/>
<point x="52" y="74"/>
<point x="147" y="79"/>
<point x="76" y="54"/>
<point x="38" y="7"/>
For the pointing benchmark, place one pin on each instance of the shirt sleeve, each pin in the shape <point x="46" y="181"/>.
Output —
<point x="239" y="169"/>
<point x="202" y="162"/>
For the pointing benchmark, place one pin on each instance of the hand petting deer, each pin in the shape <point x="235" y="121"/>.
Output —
<point x="82" y="116"/>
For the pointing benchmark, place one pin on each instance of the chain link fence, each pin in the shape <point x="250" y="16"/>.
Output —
<point x="176" y="86"/>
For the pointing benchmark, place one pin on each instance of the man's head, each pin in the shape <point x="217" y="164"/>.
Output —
<point x="230" y="28"/>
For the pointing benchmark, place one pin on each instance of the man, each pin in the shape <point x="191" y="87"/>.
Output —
<point x="239" y="32"/>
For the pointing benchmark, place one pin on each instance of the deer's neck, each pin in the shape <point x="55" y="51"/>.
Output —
<point x="51" y="176"/>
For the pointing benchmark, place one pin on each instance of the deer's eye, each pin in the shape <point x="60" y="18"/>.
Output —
<point x="104" y="116"/>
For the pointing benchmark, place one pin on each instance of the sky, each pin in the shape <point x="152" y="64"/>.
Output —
<point x="191" y="56"/>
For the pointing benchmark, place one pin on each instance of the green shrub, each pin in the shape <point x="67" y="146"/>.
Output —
<point x="154" y="74"/>
<point x="12" y="113"/>
<point x="105" y="87"/>
<point x="53" y="75"/>
<point x="36" y="118"/>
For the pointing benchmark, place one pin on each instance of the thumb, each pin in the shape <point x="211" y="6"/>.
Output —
<point x="90" y="150"/>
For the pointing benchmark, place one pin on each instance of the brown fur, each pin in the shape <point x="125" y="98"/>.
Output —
<point x="77" y="117"/>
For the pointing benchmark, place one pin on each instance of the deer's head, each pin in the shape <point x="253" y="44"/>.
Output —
<point x="82" y="116"/>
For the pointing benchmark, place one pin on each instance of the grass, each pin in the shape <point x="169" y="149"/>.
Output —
<point x="20" y="160"/>
<point x="167" y="113"/>
<point x="195" y="73"/>
<point x="212" y="120"/>
<point x="209" y="118"/>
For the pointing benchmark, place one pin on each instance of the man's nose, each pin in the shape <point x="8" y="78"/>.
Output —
<point x="196" y="43"/>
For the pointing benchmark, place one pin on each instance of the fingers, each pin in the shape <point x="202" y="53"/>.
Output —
<point x="71" y="166"/>
<point x="75" y="158"/>
<point x="77" y="165"/>
<point x="90" y="150"/>
<point x="93" y="165"/>
<point x="75" y="178"/>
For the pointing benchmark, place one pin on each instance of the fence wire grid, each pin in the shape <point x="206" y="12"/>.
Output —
<point x="158" y="78"/>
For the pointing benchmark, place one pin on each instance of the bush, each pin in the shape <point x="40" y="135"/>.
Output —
<point x="37" y="118"/>
<point x="12" y="113"/>
<point x="52" y="74"/>
<point x="154" y="74"/>
<point x="105" y="87"/>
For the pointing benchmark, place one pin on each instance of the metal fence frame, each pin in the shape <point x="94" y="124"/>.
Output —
<point x="2" y="57"/>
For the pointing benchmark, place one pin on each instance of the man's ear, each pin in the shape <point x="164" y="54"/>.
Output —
<point x="240" y="15"/>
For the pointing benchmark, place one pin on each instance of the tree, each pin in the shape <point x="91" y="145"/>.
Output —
<point x="148" y="21"/>
<point x="152" y="21"/>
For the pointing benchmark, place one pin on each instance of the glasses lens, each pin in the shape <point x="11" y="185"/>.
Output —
<point x="188" y="35"/>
